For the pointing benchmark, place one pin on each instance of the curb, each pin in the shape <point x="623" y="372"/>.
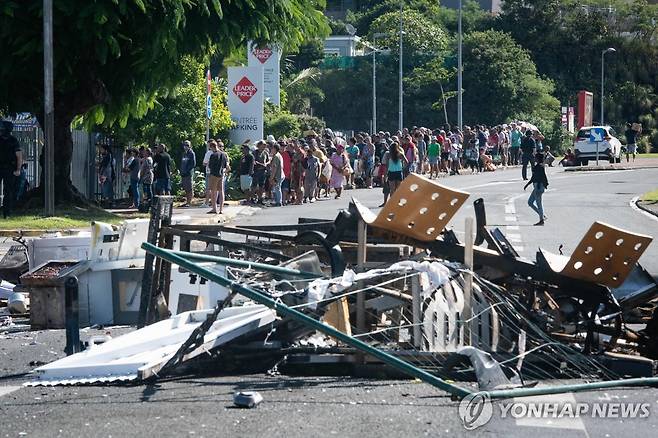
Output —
<point x="606" y="168"/>
<point x="643" y="208"/>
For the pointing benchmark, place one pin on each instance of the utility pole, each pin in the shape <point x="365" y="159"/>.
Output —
<point x="603" y="52"/>
<point x="401" y="90"/>
<point x="49" y="108"/>
<point x="460" y="120"/>
<point x="374" y="90"/>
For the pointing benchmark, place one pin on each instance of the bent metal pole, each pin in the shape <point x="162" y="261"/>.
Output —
<point x="180" y="260"/>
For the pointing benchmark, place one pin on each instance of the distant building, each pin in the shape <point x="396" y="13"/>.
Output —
<point x="342" y="45"/>
<point x="493" y="6"/>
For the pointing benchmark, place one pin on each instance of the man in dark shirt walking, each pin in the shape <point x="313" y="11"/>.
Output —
<point x="246" y="170"/>
<point x="162" y="171"/>
<point x="539" y="183"/>
<point x="11" y="161"/>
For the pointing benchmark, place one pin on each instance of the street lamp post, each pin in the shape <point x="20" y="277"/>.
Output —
<point x="459" y="67"/>
<point x="603" y="52"/>
<point x="400" y="88"/>
<point x="374" y="79"/>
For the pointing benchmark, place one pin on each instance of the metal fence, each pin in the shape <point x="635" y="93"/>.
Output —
<point x="84" y="161"/>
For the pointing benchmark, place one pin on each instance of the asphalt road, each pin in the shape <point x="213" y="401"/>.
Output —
<point x="324" y="406"/>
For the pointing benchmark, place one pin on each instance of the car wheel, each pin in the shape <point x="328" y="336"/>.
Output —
<point x="619" y="159"/>
<point x="584" y="162"/>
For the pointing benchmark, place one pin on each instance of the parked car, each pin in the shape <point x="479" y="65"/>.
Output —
<point x="585" y="150"/>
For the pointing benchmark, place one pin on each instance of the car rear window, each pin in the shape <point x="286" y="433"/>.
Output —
<point x="583" y="133"/>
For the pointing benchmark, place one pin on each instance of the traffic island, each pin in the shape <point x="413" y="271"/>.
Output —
<point x="649" y="202"/>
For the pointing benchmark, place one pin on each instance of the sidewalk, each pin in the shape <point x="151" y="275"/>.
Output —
<point x="199" y="215"/>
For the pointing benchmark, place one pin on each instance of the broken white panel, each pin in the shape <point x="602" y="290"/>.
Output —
<point x="142" y="353"/>
<point x="6" y="289"/>
<point x="188" y="292"/>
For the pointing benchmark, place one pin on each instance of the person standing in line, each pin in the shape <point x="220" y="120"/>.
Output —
<point x="246" y="170"/>
<point x="311" y="175"/>
<point x="353" y="153"/>
<point x="206" y="159"/>
<point x="11" y="163"/>
<point x="515" y="140"/>
<point x="132" y="169"/>
<point x="539" y="183"/>
<point x="339" y="167"/>
<point x="187" y="166"/>
<point x="106" y="175"/>
<point x="162" y="173"/>
<point x="276" y="174"/>
<point x="218" y="164"/>
<point x="261" y="163"/>
<point x="433" y="154"/>
<point x="503" y="145"/>
<point x="631" y="134"/>
<point x="368" y="162"/>
<point x="421" y="148"/>
<point x="527" y="149"/>
<point x="146" y="174"/>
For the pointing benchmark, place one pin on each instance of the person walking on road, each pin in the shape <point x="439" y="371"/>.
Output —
<point x="539" y="183"/>
<point x="527" y="149"/>
<point x="11" y="162"/>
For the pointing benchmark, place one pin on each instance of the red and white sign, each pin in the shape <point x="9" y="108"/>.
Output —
<point x="268" y="58"/>
<point x="245" y="89"/>
<point x="208" y="82"/>
<point x="262" y="54"/>
<point x="245" y="102"/>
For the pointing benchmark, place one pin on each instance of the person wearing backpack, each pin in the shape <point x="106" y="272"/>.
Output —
<point x="218" y="165"/>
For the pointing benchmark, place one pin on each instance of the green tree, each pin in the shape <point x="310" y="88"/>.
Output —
<point x="113" y="57"/>
<point x="501" y="82"/>
<point x="180" y="114"/>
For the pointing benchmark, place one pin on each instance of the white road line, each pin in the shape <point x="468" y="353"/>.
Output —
<point x="639" y="210"/>
<point x="514" y="239"/>
<point x="510" y="209"/>
<point x="511" y="218"/>
<point x="493" y="183"/>
<point x="4" y="390"/>
<point x="513" y="228"/>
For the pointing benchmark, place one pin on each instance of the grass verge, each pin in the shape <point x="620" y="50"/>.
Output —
<point x="64" y="219"/>
<point x="651" y="196"/>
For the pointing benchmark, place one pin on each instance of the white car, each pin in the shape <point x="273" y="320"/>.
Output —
<point x="585" y="150"/>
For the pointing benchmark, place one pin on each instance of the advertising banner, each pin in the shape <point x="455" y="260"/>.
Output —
<point x="245" y="102"/>
<point x="267" y="57"/>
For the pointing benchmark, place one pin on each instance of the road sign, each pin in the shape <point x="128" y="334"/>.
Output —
<point x="596" y="134"/>
<point x="209" y="106"/>
<point x="208" y="82"/>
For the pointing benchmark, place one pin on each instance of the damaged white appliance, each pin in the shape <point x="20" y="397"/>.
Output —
<point x="142" y="353"/>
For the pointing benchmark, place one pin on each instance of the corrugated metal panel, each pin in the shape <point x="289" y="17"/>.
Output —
<point x="80" y="165"/>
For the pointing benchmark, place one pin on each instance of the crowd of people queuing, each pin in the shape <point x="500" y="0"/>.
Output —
<point x="295" y="171"/>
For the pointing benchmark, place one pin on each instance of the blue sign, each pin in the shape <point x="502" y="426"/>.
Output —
<point x="209" y="106"/>
<point x="596" y="134"/>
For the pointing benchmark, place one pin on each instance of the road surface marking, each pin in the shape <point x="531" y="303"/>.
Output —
<point x="4" y="390"/>
<point x="513" y="228"/>
<point x="639" y="210"/>
<point x="493" y="183"/>
<point x="510" y="209"/>
<point x="511" y="218"/>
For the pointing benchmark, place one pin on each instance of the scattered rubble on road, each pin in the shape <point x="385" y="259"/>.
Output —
<point x="393" y="293"/>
